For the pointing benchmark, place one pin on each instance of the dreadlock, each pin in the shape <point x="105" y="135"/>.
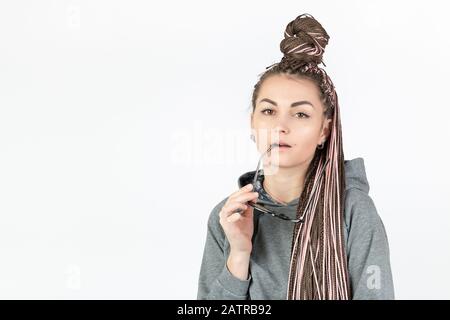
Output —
<point x="318" y="265"/>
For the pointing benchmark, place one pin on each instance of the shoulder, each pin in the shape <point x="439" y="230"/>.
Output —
<point x="360" y="212"/>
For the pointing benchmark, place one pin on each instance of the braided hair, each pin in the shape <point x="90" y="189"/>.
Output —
<point x="318" y="265"/>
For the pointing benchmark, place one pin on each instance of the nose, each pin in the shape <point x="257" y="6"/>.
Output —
<point x="278" y="133"/>
<point x="281" y="128"/>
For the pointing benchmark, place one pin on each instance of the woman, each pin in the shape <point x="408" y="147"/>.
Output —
<point x="329" y="242"/>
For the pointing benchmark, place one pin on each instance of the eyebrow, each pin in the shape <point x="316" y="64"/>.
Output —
<point x="295" y="104"/>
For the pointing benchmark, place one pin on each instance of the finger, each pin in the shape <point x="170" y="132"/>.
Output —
<point x="234" y="217"/>
<point x="231" y="208"/>
<point x="238" y="216"/>
<point x="245" y="188"/>
<point x="246" y="197"/>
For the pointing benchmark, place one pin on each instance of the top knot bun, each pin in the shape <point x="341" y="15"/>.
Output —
<point x="304" y="40"/>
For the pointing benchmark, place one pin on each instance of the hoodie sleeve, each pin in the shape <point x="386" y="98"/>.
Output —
<point x="215" y="280"/>
<point x="368" y="251"/>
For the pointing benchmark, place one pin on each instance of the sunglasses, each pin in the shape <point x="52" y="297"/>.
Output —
<point x="266" y="210"/>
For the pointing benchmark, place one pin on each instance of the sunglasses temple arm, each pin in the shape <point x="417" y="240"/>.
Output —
<point x="251" y="204"/>
<point x="255" y="178"/>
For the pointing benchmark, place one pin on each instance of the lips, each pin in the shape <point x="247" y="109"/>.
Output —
<point x="283" y="144"/>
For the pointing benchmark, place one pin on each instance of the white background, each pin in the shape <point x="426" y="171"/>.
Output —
<point x="123" y="123"/>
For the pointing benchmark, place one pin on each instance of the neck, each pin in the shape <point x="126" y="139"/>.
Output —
<point x="286" y="184"/>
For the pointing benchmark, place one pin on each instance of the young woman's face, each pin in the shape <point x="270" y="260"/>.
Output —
<point x="302" y="126"/>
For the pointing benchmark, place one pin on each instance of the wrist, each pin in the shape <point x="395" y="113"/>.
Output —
<point x="238" y="264"/>
<point x="238" y="253"/>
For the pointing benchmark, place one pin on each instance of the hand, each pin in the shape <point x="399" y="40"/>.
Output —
<point x="238" y="227"/>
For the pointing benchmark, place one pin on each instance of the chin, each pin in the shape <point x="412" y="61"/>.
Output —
<point x="283" y="162"/>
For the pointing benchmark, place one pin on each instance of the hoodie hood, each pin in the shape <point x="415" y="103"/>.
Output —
<point x="355" y="178"/>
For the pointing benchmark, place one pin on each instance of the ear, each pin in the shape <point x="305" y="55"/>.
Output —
<point x="326" y="129"/>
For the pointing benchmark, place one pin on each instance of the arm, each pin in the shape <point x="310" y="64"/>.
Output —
<point x="368" y="252"/>
<point x="215" y="279"/>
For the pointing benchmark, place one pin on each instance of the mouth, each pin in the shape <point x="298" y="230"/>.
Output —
<point x="281" y="145"/>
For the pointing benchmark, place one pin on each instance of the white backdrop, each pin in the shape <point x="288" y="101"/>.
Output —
<point x="123" y="123"/>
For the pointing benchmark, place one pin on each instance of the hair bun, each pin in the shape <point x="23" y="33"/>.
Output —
<point x="304" y="40"/>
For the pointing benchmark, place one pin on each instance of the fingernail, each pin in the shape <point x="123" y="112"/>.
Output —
<point x="250" y="186"/>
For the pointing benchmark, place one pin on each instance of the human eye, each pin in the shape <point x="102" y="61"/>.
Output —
<point x="305" y="115"/>
<point x="263" y="111"/>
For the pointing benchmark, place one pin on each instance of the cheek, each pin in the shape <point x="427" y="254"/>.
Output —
<point x="305" y="137"/>
<point x="303" y="150"/>
<point x="264" y="134"/>
<point x="262" y="123"/>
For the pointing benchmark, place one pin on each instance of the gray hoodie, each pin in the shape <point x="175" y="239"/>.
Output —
<point x="365" y="237"/>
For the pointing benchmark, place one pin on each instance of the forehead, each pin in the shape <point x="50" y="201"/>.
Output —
<point x="285" y="89"/>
